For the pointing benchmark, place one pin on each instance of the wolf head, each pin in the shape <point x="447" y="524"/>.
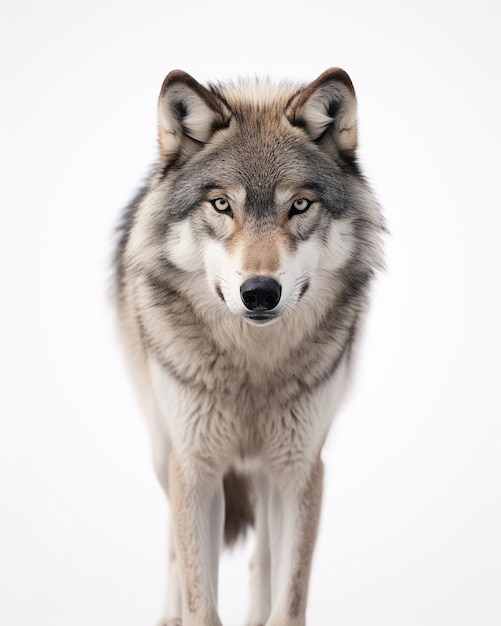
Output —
<point x="259" y="192"/>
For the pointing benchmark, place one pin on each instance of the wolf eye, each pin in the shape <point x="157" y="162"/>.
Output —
<point x="222" y="206"/>
<point x="301" y="205"/>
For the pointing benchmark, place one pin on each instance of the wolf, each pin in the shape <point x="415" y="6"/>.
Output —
<point x="243" y="269"/>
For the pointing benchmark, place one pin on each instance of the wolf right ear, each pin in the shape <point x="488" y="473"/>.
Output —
<point x="188" y="116"/>
<point x="327" y="110"/>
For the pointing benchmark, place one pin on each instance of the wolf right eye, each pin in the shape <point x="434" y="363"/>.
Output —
<point x="222" y="206"/>
<point x="299" y="206"/>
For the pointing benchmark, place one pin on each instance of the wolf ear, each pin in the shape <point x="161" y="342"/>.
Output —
<point x="188" y="116"/>
<point x="327" y="110"/>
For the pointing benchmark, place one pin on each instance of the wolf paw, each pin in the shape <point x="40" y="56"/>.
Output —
<point x="172" y="622"/>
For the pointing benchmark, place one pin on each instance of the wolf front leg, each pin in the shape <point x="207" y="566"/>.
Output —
<point x="173" y="607"/>
<point x="197" y="503"/>
<point x="294" y="516"/>
<point x="260" y="565"/>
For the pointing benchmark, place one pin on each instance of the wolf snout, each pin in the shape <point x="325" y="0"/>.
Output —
<point x="260" y="293"/>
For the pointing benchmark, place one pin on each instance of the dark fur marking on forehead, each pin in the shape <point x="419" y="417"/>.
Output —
<point x="259" y="162"/>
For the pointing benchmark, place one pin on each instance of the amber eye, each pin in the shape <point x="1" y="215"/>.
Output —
<point x="222" y="206"/>
<point x="301" y="205"/>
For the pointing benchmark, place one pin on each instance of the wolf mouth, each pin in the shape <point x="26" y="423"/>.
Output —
<point x="261" y="319"/>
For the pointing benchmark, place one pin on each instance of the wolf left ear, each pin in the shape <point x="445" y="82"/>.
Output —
<point x="327" y="110"/>
<point x="188" y="116"/>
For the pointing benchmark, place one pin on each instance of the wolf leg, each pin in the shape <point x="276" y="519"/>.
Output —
<point x="294" y="516"/>
<point x="197" y="503"/>
<point x="173" y="608"/>
<point x="161" y="452"/>
<point x="260" y="573"/>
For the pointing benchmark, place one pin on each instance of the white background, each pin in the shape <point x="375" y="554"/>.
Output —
<point x="411" y="527"/>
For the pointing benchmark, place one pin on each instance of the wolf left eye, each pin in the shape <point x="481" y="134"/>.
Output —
<point x="301" y="205"/>
<point x="222" y="206"/>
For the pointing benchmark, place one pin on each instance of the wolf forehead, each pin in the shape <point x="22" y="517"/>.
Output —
<point x="258" y="135"/>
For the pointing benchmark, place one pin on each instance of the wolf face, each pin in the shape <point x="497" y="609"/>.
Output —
<point x="258" y="191"/>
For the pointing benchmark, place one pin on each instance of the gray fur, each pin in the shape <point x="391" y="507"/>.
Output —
<point x="220" y="392"/>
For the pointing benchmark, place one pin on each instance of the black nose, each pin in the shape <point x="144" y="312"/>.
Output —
<point x="260" y="293"/>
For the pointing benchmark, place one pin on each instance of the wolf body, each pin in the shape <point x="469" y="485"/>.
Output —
<point x="243" y="271"/>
